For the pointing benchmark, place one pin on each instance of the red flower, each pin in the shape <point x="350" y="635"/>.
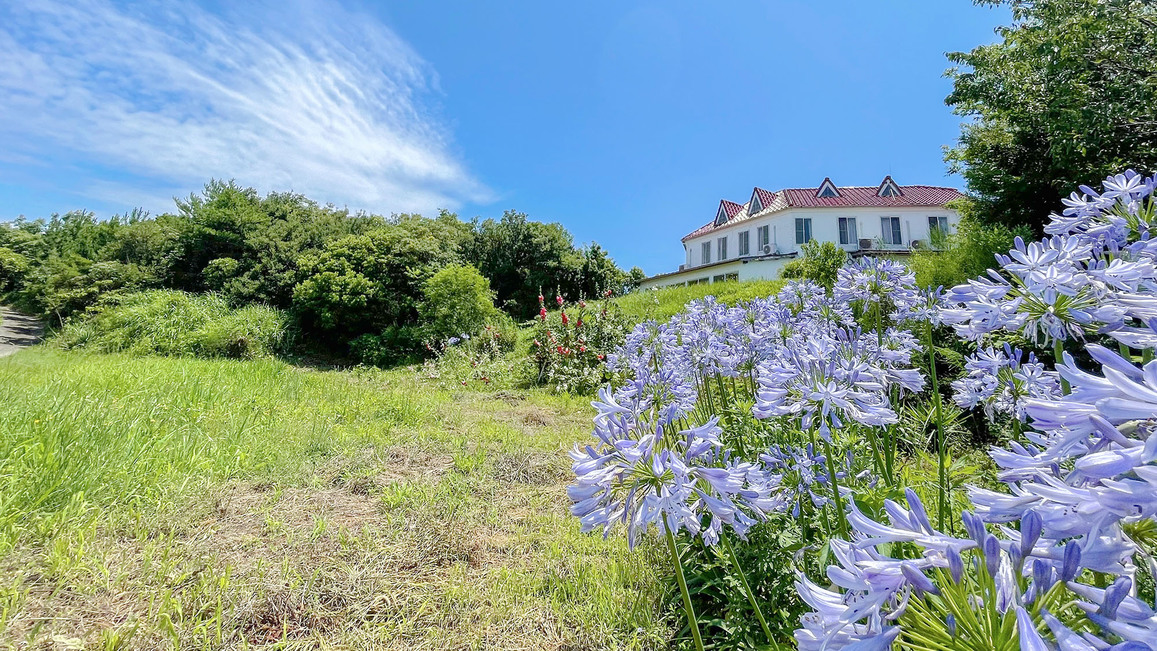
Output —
<point x="583" y="304"/>
<point x="582" y="349"/>
<point x="542" y="314"/>
<point x="560" y="350"/>
<point x="579" y="323"/>
<point x="540" y="299"/>
<point x="608" y="293"/>
<point x="537" y="344"/>
<point x="600" y="356"/>
<point x="565" y="320"/>
<point x="558" y="299"/>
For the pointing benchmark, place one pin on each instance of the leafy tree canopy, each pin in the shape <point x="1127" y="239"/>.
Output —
<point x="1067" y="97"/>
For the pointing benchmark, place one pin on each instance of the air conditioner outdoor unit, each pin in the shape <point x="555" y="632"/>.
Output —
<point x="866" y="244"/>
<point x="767" y="250"/>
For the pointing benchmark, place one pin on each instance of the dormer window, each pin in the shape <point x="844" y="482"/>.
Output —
<point x="721" y="216"/>
<point x="889" y="188"/>
<point x="755" y="205"/>
<point x="827" y="189"/>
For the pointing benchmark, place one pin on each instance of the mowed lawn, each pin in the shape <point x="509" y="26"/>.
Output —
<point x="175" y="503"/>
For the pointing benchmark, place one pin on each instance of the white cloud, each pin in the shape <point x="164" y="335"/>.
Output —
<point x="328" y="103"/>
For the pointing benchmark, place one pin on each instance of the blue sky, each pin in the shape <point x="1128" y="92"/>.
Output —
<point x="627" y="122"/>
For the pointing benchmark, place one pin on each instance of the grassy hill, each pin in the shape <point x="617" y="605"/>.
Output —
<point x="662" y="304"/>
<point x="149" y="501"/>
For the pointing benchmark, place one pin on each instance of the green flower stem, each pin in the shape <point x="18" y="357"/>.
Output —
<point x="690" y="610"/>
<point x="941" y="440"/>
<point x="746" y="586"/>
<point x="841" y="516"/>
<point x="1058" y="352"/>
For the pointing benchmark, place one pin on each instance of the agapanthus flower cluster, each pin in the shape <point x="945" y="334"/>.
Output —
<point x="648" y="471"/>
<point x="1001" y="380"/>
<point x="803" y="475"/>
<point x="795" y="355"/>
<point x="1083" y="483"/>
<point x="888" y="286"/>
<point x="1095" y="274"/>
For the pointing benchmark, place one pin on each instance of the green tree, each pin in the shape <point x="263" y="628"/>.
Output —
<point x="457" y="299"/>
<point x="363" y="283"/>
<point x="1067" y="97"/>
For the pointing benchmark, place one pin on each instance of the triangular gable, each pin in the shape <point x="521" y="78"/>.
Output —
<point x="827" y="189"/>
<point x="727" y="210"/>
<point x="888" y="188"/>
<point x="721" y="216"/>
<point x="755" y="205"/>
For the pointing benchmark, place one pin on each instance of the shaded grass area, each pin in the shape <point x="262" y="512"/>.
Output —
<point x="177" y="503"/>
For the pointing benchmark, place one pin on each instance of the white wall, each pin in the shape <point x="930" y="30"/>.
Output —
<point x="825" y="228"/>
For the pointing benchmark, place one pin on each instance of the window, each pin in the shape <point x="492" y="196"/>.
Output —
<point x="803" y="230"/>
<point x="706" y="257"/>
<point x="763" y="239"/>
<point x="734" y="276"/>
<point x="717" y="279"/>
<point x="744" y="243"/>
<point x="890" y="230"/>
<point x="755" y="205"/>
<point x="937" y="226"/>
<point x="722" y="249"/>
<point x="848" y="233"/>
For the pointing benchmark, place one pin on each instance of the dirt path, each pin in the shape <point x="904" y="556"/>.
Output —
<point x="18" y="331"/>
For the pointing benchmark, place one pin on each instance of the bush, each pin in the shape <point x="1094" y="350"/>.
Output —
<point x="967" y="253"/>
<point x="167" y="322"/>
<point x="457" y="300"/>
<point x="819" y="264"/>
<point x="570" y="346"/>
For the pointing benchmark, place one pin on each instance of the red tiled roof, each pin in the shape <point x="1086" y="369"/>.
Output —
<point x="850" y="197"/>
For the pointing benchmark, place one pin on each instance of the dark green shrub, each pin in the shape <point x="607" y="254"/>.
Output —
<point x="393" y="346"/>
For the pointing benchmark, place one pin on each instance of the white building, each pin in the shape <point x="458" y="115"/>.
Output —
<point x="756" y="239"/>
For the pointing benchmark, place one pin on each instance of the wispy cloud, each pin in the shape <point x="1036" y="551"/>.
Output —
<point x="327" y="103"/>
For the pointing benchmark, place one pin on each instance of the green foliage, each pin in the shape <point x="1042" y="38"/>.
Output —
<point x="393" y="345"/>
<point x="1068" y="96"/>
<point x="520" y="256"/>
<point x="967" y="253"/>
<point x="363" y="283"/>
<point x="820" y="263"/>
<point x="769" y="561"/>
<point x="13" y="267"/>
<point x="457" y="299"/>
<point x="167" y="322"/>
<point x="341" y="276"/>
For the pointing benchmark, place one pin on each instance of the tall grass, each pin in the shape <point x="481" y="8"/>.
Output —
<point x="116" y="430"/>
<point x="167" y="322"/>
